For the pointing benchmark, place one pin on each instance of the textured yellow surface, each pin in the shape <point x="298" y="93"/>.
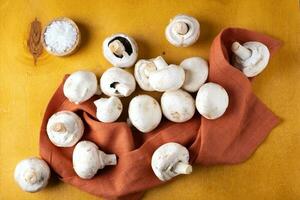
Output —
<point x="273" y="172"/>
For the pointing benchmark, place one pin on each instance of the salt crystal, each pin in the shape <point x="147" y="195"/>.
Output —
<point x="60" y="36"/>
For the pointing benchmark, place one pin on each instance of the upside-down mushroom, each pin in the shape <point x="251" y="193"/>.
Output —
<point x="251" y="57"/>
<point x="117" y="82"/>
<point x="65" y="128"/>
<point x="120" y="50"/>
<point x="32" y="174"/>
<point x="183" y="31"/>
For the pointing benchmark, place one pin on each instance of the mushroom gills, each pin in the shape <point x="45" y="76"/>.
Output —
<point x="251" y="57"/>
<point x="120" y="88"/>
<point x="117" y="82"/>
<point x="126" y="44"/>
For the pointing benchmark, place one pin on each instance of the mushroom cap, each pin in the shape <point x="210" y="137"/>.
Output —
<point x="212" y="100"/>
<point x="108" y="109"/>
<point x="166" y="157"/>
<point x="86" y="160"/>
<point x="142" y="70"/>
<point x="113" y="76"/>
<point x="144" y="113"/>
<point x="258" y="60"/>
<point x="169" y="78"/>
<point x="183" y="40"/>
<point x="65" y="129"/>
<point x="32" y="174"/>
<point x="131" y="50"/>
<point x="177" y="106"/>
<point x="80" y="86"/>
<point x="196" y="72"/>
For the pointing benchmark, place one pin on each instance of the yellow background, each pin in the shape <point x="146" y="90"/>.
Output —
<point x="274" y="170"/>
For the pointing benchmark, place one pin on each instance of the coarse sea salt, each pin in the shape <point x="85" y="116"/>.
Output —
<point x="60" y="36"/>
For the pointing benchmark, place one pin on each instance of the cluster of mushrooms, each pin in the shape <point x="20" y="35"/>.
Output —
<point x="65" y="128"/>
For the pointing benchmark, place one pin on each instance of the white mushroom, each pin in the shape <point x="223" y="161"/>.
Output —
<point x="32" y="174"/>
<point x="183" y="31"/>
<point x="212" y="100"/>
<point x="166" y="77"/>
<point x="144" y="113"/>
<point x="117" y="82"/>
<point x="88" y="159"/>
<point x="170" y="160"/>
<point x="196" y="72"/>
<point x="177" y="106"/>
<point x="120" y="50"/>
<point x="251" y="57"/>
<point x="80" y="86"/>
<point x="65" y="129"/>
<point x="108" y="109"/>
<point x="142" y="70"/>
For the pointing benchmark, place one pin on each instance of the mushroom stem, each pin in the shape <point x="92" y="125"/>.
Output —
<point x="160" y="62"/>
<point x="109" y="159"/>
<point x="181" y="28"/>
<point x="123" y="89"/>
<point x="117" y="47"/>
<point x="183" y="168"/>
<point x="149" y="67"/>
<point x="241" y="51"/>
<point x="59" y="127"/>
<point x="30" y="176"/>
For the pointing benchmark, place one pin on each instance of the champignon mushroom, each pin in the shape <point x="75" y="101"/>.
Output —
<point x="212" y="100"/>
<point x="80" y="86"/>
<point x="196" y="72"/>
<point x="183" y="31"/>
<point x="251" y="57"/>
<point x="142" y="70"/>
<point x="117" y="82"/>
<point x="65" y="129"/>
<point x="88" y="159"/>
<point x="170" y="160"/>
<point x="108" y="109"/>
<point x="177" y="106"/>
<point x="32" y="174"/>
<point x="166" y="77"/>
<point x="144" y="113"/>
<point x="120" y="50"/>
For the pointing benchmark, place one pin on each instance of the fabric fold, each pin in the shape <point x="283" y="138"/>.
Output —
<point x="230" y="139"/>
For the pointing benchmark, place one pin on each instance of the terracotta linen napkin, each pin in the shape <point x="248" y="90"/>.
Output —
<point x="227" y="140"/>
